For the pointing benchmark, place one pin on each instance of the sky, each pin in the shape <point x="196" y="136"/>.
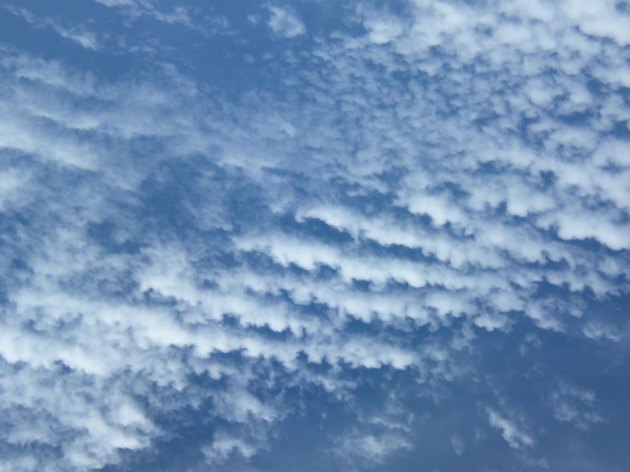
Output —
<point x="314" y="235"/>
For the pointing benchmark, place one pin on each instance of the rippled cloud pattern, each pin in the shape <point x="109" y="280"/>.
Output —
<point x="314" y="236"/>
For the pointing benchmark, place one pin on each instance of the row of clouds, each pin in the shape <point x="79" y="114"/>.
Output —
<point x="452" y="166"/>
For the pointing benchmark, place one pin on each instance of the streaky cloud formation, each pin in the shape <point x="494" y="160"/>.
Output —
<point x="380" y="235"/>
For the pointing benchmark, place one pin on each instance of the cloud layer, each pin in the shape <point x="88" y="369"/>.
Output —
<point x="220" y="229"/>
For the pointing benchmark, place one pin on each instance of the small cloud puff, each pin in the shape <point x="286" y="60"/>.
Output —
<point x="285" y="22"/>
<point x="511" y="432"/>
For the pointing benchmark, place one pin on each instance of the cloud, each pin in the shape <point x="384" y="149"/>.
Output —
<point x="388" y="199"/>
<point x="574" y="405"/>
<point x="359" y="450"/>
<point x="601" y="330"/>
<point x="513" y="435"/>
<point x="383" y="27"/>
<point x="80" y="35"/>
<point x="458" y="445"/>
<point x="224" y="445"/>
<point x="284" y="22"/>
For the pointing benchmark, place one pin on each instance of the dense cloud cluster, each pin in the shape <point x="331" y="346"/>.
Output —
<point x="223" y="229"/>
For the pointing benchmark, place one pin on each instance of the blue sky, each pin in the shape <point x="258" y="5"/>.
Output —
<point x="314" y="235"/>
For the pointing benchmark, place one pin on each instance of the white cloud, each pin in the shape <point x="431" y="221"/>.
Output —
<point x="80" y="35"/>
<point x="511" y="432"/>
<point x="382" y="26"/>
<point x="197" y="265"/>
<point x="358" y="448"/>
<point x="458" y="444"/>
<point x="574" y="405"/>
<point x="284" y="22"/>
<point x="600" y="330"/>
<point x="224" y="445"/>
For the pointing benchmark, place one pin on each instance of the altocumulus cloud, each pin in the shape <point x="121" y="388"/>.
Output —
<point x="314" y="236"/>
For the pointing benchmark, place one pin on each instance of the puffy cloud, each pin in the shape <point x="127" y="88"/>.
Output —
<point x="513" y="434"/>
<point x="575" y="406"/>
<point x="284" y="22"/>
<point x="362" y="449"/>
